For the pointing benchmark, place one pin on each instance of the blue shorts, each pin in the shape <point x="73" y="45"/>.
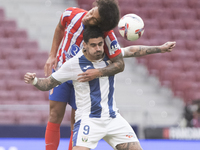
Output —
<point x="64" y="93"/>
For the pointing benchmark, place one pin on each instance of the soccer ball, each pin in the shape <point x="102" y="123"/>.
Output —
<point x="131" y="27"/>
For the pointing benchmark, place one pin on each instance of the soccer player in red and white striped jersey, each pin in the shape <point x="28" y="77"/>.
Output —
<point x="69" y="34"/>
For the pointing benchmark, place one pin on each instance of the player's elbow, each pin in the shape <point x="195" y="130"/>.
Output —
<point x="120" y="66"/>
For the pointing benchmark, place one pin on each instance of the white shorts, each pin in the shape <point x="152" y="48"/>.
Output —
<point x="88" y="131"/>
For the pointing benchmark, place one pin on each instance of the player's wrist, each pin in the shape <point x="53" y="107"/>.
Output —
<point x="100" y="74"/>
<point x="34" y="81"/>
<point x="162" y="48"/>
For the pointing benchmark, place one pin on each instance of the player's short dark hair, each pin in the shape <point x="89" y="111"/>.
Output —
<point x="92" y="32"/>
<point x="109" y="13"/>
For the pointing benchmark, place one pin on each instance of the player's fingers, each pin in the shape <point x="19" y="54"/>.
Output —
<point x="33" y="75"/>
<point x="85" y="79"/>
<point x="83" y="74"/>
<point x="55" y="64"/>
<point x="27" y="75"/>
<point x="28" y="78"/>
<point x="49" y="71"/>
<point x="46" y="69"/>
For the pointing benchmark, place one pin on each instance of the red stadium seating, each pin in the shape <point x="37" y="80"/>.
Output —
<point x="183" y="34"/>
<point x="28" y="96"/>
<point x="191" y="44"/>
<point x="29" y="117"/>
<point x="40" y="59"/>
<point x="2" y="32"/>
<point x="156" y="13"/>
<point x="124" y="3"/>
<point x="16" y="33"/>
<point x="2" y="14"/>
<point x="18" y="85"/>
<point x="184" y="85"/>
<point x="39" y="73"/>
<point x="183" y="55"/>
<point x="197" y="74"/>
<point x="190" y="23"/>
<point x="197" y="13"/>
<point x="180" y="44"/>
<point x="7" y="43"/>
<point x="7" y="117"/>
<point x="17" y="55"/>
<point x="179" y="12"/>
<point x="191" y="66"/>
<point x="8" y="95"/>
<point x="8" y="23"/>
<point x="193" y="3"/>
<point x="12" y="54"/>
<point x="7" y="74"/>
<point x="22" y="64"/>
<point x="153" y="4"/>
<point x="151" y="24"/>
<point x="26" y="44"/>
<point x="157" y="33"/>
<point x="170" y="75"/>
<point x="197" y="32"/>
<point x="173" y="24"/>
<point x="175" y="4"/>
<point x="192" y="95"/>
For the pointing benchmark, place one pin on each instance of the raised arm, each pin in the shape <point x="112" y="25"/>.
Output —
<point x="52" y="61"/>
<point x="43" y="84"/>
<point x="140" y="50"/>
<point x="115" y="67"/>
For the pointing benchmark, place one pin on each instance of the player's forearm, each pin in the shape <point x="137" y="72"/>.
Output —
<point x="115" y="67"/>
<point x="45" y="84"/>
<point x="57" y="38"/>
<point x="137" y="51"/>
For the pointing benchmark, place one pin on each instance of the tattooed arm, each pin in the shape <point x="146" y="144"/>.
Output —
<point x="136" y="51"/>
<point x="43" y="84"/>
<point x="115" y="67"/>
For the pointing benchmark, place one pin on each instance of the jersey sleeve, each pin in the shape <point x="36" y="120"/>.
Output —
<point x="111" y="47"/>
<point x="69" y="14"/>
<point x="65" y="73"/>
<point x="65" y="17"/>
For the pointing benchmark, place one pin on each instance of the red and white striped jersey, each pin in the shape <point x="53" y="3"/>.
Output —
<point x="72" y="41"/>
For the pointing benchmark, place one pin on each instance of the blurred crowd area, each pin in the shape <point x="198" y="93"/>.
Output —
<point x="192" y="114"/>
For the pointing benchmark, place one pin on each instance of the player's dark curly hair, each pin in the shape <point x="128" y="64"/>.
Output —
<point x="109" y="13"/>
<point x="92" y="32"/>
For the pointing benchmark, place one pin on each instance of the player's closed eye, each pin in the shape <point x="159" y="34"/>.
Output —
<point x="100" y="44"/>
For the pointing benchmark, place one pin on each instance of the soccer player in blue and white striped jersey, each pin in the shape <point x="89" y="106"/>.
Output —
<point x="97" y="116"/>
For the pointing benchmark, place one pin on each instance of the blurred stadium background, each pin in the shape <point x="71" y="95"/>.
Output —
<point x="157" y="94"/>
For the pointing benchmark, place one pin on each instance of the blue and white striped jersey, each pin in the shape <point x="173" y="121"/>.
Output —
<point x="94" y="99"/>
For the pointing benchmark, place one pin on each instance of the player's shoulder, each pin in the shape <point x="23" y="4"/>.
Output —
<point x="107" y="33"/>
<point x="76" y="57"/>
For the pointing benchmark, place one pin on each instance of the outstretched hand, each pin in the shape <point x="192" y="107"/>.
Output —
<point x="89" y="75"/>
<point x="50" y="64"/>
<point x="29" y="77"/>
<point x="167" y="47"/>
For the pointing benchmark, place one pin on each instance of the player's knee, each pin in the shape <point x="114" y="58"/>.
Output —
<point x="129" y="146"/>
<point x="56" y="116"/>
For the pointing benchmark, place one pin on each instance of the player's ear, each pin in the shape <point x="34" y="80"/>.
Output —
<point x="84" y="44"/>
